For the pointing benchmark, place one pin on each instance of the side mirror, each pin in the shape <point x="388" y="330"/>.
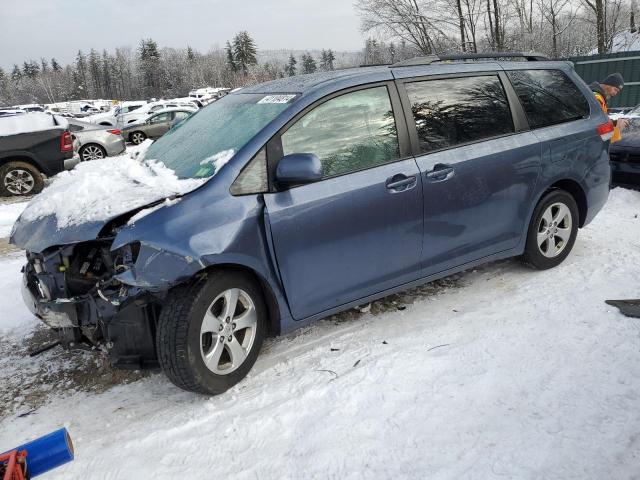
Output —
<point x="298" y="169"/>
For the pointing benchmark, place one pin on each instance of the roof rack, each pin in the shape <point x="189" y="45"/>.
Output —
<point x="429" y="59"/>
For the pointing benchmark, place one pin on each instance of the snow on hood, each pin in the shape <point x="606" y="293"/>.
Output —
<point x="104" y="189"/>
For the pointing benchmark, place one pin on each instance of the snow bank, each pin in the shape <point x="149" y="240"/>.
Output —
<point x="29" y="122"/>
<point x="102" y="189"/>
<point x="9" y="213"/>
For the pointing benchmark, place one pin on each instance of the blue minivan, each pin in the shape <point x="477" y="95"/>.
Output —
<point x="313" y="194"/>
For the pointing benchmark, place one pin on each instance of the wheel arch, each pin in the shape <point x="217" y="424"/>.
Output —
<point x="273" y="321"/>
<point x="20" y="158"/>
<point x="89" y="144"/>
<point x="574" y="189"/>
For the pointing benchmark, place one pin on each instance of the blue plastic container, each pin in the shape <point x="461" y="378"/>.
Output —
<point x="48" y="452"/>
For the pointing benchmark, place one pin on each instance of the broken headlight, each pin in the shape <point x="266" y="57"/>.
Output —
<point x="125" y="257"/>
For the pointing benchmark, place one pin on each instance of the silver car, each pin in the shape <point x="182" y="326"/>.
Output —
<point x="96" y="141"/>
<point x="156" y="124"/>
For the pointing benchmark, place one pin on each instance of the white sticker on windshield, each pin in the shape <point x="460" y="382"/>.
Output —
<point x="277" y="99"/>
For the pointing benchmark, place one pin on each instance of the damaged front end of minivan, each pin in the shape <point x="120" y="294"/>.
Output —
<point x="96" y="297"/>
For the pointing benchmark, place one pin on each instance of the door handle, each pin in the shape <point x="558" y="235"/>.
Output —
<point x="440" y="172"/>
<point x="400" y="182"/>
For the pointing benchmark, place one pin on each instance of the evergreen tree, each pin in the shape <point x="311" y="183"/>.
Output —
<point x="44" y="65"/>
<point x="330" y="59"/>
<point x="55" y="66"/>
<point x="30" y="69"/>
<point x="94" y="73"/>
<point x="231" y="61"/>
<point x="290" y="68"/>
<point x="308" y="63"/>
<point x="150" y="67"/>
<point x="244" y="52"/>
<point x="326" y="60"/>
<point x="191" y="56"/>
<point x="16" y="74"/>
<point x="107" y="87"/>
<point x="80" y="77"/>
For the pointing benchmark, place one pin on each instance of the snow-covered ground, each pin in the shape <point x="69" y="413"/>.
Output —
<point x="9" y="213"/>
<point x="500" y="372"/>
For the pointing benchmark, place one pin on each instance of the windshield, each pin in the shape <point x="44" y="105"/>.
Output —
<point x="203" y="143"/>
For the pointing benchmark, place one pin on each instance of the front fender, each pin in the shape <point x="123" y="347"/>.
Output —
<point x="201" y="230"/>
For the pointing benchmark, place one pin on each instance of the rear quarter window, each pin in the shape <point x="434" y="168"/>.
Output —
<point x="548" y="97"/>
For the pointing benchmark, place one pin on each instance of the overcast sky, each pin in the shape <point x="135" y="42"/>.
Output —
<point x="30" y="29"/>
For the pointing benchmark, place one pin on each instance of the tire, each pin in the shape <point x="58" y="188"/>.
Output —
<point x="183" y="339"/>
<point x="137" y="137"/>
<point x="553" y="230"/>
<point x="20" y="178"/>
<point x="91" y="151"/>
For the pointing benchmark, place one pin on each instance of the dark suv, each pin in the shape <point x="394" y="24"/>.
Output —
<point x="313" y="194"/>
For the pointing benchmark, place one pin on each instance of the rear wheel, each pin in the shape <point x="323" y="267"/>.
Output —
<point x="553" y="230"/>
<point x="210" y="332"/>
<point x="137" y="138"/>
<point x="92" y="152"/>
<point x="20" y="178"/>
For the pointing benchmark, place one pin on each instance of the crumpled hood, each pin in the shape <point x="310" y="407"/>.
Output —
<point x="79" y="203"/>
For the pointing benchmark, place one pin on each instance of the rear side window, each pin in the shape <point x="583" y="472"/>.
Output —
<point x="455" y="111"/>
<point x="548" y="97"/>
<point x="348" y="133"/>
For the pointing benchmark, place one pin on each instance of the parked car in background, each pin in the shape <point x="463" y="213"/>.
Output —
<point x="32" y="145"/>
<point x="142" y="113"/>
<point x="32" y="107"/>
<point x="7" y="112"/>
<point x="116" y="116"/>
<point x="207" y="95"/>
<point x="192" y="100"/>
<point x="156" y="125"/>
<point x="625" y="158"/>
<point x="93" y="142"/>
<point x="295" y="199"/>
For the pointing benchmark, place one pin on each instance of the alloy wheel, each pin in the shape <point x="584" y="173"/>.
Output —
<point x="92" y="152"/>
<point x="137" y="138"/>
<point x="19" y="182"/>
<point x="228" y="331"/>
<point x="554" y="230"/>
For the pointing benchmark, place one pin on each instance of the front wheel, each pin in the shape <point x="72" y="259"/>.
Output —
<point x="210" y="332"/>
<point x="553" y="230"/>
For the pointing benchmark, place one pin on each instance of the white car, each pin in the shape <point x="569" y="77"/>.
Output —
<point x="116" y="116"/>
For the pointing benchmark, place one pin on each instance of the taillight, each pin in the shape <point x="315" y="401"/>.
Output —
<point x="66" y="142"/>
<point x="606" y="130"/>
<point x="115" y="131"/>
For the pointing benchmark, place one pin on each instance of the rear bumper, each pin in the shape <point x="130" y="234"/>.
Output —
<point x="115" y="146"/>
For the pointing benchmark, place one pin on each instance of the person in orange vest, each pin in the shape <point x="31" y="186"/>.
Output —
<point x="603" y="91"/>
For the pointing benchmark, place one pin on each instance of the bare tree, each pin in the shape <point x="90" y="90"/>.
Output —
<point x="554" y="12"/>
<point x="421" y="24"/>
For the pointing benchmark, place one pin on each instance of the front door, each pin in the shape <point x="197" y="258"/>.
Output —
<point x="358" y="231"/>
<point x="478" y="174"/>
<point x="159" y="124"/>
